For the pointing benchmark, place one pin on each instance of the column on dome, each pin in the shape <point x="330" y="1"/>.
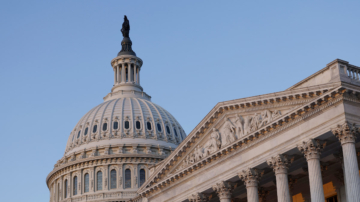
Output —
<point x="251" y="177"/>
<point x="223" y="190"/>
<point x="346" y="133"/>
<point x="117" y="74"/>
<point x="135" y="73"/>
<point x="123" y="74"/>
<point x="279" y="164"/>
<point x="198" y="197"/>
<point x="130" y="73"/>
<point x="138" y="79"/>
<point x="312" y="150"/>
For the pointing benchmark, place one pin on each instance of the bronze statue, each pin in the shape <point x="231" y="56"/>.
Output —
<point x="125" y="27"/>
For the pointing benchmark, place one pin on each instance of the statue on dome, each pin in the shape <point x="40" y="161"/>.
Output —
<point x="125" y="27"/>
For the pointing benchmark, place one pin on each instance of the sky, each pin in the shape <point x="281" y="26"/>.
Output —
<point x="55" y="64"/>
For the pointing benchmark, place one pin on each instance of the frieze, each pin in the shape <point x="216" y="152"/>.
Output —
<point x="231" y="131"/>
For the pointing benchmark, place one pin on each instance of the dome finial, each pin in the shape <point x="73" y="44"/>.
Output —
<point x="125" y="27"/>
<point x="126" y="42"/>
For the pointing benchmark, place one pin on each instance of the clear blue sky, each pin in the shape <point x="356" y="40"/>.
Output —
<point x="55" y="64"/>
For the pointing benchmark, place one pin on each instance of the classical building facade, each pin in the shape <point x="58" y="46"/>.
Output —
<point x="290" y="146"/>
<point x="112" y="149"/>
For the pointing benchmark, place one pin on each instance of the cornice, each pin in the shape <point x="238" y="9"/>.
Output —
<point x="280" y="124"/>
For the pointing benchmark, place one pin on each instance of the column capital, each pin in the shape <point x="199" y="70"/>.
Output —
<point x="197" y="197"/>
<point x="251" y="176"/>
<point x="280" y="163"/>
<point x="346" y="132"/>
<point x="223" y="190"/>
<point x="311" y="148"/>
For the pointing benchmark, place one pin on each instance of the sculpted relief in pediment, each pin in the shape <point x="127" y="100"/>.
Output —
<point x="234" y="128"/>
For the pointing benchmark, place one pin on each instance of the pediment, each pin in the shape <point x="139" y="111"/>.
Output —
<point x="229" y="122"/>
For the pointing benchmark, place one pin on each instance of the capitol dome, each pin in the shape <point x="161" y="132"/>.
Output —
<point x="113" y="148"/>
<point x="125" y="121"/>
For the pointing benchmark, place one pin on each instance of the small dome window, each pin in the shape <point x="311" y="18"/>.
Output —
<point x="167" y="129"/>
<point x="159" y="127"/>
<point x="148" y="125"/>
<point x="175" y="132"/>
<point x="86" y="131"/>
<point x="79" y="134"/>
<point x="138" y="125"/>
<point x="104" y="126"/>
<point x="116" y="125"/>
<point x="95" y="129"/>
<point x="127" y="125"/>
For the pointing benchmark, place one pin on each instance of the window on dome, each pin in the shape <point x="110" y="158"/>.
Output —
<point x="127" y="178"/>
<point x="148" y="125"/>
<point x="75" y="186"/>
<point x="79" y="134"/>
<point x="127" y="125"/>
<point x="116" y="125"/>
<point x="86" y="182"/>
<point x="59" y="192"/>
<point x="73" y="138"/>
<point x="167" y="129"/>
<point x="104" y="126"/>
<point x="142" y="176"/>
<point x="86" y="131"/>
<point x="66" y="189"/>
<point x="99" y="180"/>
<point x="113" y="179"/>
<point x="175" y="132"/>
<point x="158" y="127"/>
<point x="95" y="129"/>
<point x="138" y="126"/>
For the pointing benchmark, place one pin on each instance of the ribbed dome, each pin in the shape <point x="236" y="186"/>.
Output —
<point x="125" y="121"/>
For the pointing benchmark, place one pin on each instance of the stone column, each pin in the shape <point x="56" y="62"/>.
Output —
<point x="223" y="190"/>
<point x="346" y="133"/>
<point x="123" y="73"/>
<point x="251" y="178"/>
<point x="130" y="72"/>
<point x="135" y="74"/>
<point x="117" y="74"/>
<point x="198" y="197"/>
<point x="280" y="165"/>
<point x="312" y="150"/>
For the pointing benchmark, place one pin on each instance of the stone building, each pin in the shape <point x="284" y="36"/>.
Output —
<point x="295" y="145"/>
<point x="290" y="146"/>
<point x="112" y="149"/>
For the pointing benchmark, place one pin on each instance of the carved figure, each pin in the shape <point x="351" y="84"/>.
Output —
<point x="266" y="117"/>
<point x="228" y="134"/>
<point x="239" y="124"/>
<point x="125" y="27"/>
<point x="198" y="153"/>
<point x="213" y="144"/>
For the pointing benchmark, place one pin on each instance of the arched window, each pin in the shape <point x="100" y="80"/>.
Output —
<point x="127" y="125"/>
<point x="167" y="129"/>
<point x="148" y="125"/>
<point x="66" y="189"/>
<point x="104" y="126"/>
<point x="175" y="132"/>
<point x="95" y="129"/>
<point x="113" y="179"/>
<point x="99" y="180"/>
<point x="58" y="191"/>
<point x="116" y="125"/>
<point x="86" y="182"/>
<point x="159" y="127"/>
<point x="142" y="176"/>
<point x="75" y="186"/>
<point x="86" y="131"/>
<point x="79" y="134"/>
<point x="127" y="178"/>
<point x="138" y="125"/>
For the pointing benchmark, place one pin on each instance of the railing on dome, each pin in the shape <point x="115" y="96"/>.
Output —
<point x="97" y="196"/>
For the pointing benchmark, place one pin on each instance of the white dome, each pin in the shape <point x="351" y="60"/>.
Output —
<point x="125" y="121"/>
